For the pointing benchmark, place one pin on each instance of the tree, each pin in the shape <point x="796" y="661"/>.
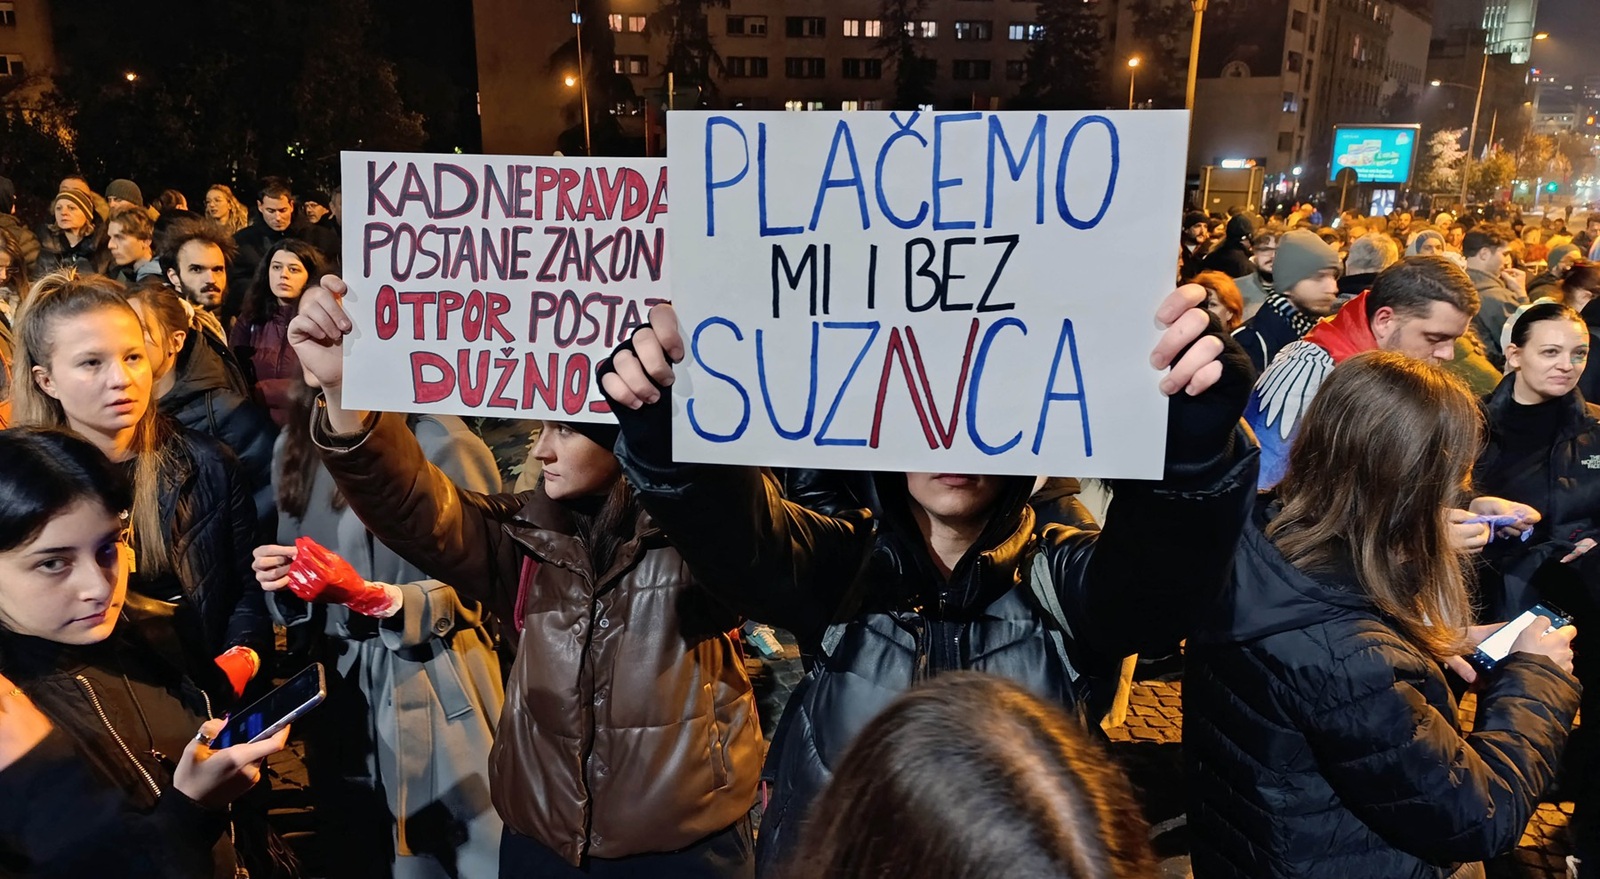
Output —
<point x="1542" y="157"/>
<point x="1442" y="160"/>
<point x="691" y="56"/>
<point x="1161" y="39"/>
<point x="1491" y="175"/>
<point x="913" y="73"/>
<point x="1064" y="70"/>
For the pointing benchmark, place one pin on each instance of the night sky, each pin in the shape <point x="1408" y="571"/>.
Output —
<point x="1573" y="25"/>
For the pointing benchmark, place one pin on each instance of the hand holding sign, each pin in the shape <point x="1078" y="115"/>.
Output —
<point x="646" y="363"/>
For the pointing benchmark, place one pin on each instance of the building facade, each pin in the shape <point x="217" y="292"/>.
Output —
<point x="27" y="49"/>
<point x="1510" y="25"/>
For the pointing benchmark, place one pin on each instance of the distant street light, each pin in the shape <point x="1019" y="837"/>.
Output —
<point x="1133" y="68"/>
<point x="1541" y="36"/>
<point x="571" y="80"/>
<point x="130" y="76"/>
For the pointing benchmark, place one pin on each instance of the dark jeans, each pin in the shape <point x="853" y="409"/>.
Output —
<point x="727" y="854"/>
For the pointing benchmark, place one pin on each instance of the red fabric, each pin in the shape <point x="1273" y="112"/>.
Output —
<point x="320" y="574"/>
<point x="240" y="665"/>
<point x="1347" y="333"/>
<point x="530" y="569"/>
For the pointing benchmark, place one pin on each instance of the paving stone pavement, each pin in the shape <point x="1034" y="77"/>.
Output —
<point x="1148" y="745"/>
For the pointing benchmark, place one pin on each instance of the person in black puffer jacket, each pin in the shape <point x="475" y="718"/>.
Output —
<point x="1320" y="733"/>
<point x="1544" y="451"/>
<point x="879" y="604"/>
<point x="200" y="386"/>
<point x="193" y="522"/>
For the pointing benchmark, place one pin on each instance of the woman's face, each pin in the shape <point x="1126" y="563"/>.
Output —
<point x="287" y="276"/>
<point x="163" y="346"/>
<point x="1430" y="246"/>
<point x="68" y="583"/>
<point x="70" y="217"/>
<point x="574" y="465"/>
<point x="216" y="205"/>
<point x="99" y="371"/>
<point x="1549" y="364"/>
<point x="1223" y="312"/>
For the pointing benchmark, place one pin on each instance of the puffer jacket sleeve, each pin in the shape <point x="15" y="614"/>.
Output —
<point x="247" y="429"/>
<point x="1402" y="767"/>
<point x="1167" y="546"/>
<point x="413" y="508"/>
<point x="764" y="556"/>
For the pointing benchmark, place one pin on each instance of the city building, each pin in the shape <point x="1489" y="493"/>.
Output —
<point x="1510" y="25"/>
<point x="1456" y="64"/>
<point x="27" y="49"/>
<point x="773" y="55"/>
<point x="1254" y="93"/>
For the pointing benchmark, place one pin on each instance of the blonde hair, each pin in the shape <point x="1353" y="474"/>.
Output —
<point x="56" y="297"/>
<point x="238" y="215"/>
<point x="1384" y="450"/>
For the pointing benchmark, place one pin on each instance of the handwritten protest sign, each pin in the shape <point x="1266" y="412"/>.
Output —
<point x="949" y="292"/>
<point x="492" y="285"/>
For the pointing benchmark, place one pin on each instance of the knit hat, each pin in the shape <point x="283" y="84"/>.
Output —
<point x="1241" y="227"/>
<point x="1559" y="252"/>
<point x="1195" y="218"/>
<point x="126" y="190"/>
<point x="1415" y="246"/>
<point x="1301" y="254"/>
<point x="315" y="196"/>
<point x="77" y="198"/>
<point x="604" y="434"/>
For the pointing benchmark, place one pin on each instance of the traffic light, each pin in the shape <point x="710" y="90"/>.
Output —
<point x="1552" y="186"/>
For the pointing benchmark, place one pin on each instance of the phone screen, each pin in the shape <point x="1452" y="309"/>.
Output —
<point x="268" y="714"/>
<point x="1496" y="646"/>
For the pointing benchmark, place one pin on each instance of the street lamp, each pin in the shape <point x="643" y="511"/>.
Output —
<point x="130" y="76"/>
<point x="571" y="80"/>
<point x="1194" y="52"/>
<point x="1133" y="68"/>
<point x="583" y="81"/>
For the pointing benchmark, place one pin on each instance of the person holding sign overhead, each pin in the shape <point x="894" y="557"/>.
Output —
<point x="629" y="744"/>
<point x="954" y="576"/>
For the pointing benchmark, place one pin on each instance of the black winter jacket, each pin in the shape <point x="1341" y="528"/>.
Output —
<point x="1264" y="335"/>
<point x="1566" y="485"/>
<point x="1321" y="743"/>
<point x="210" y="528"/>
<point x="91" y="800"/>
<point x="88" y="255"/>
<point x="1232" y="258"/>
<point x="211" y="397"/>
<point x="1165" y="549"/>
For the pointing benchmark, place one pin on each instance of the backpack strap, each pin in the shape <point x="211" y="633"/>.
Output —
<point x="1041" y="585"/>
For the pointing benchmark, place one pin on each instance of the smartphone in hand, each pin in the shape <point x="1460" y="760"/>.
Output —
<point x="276" y="710"/>
<point x="1494" y="649"/>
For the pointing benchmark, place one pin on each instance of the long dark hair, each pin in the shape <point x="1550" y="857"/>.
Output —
<point x="971" y="775"/>
<point x="1384" y="450"/>
<point x="45" y="471"/>
<point x="610" y="527"/>
<point x="259" y="302"/>
<point x="299" y="462"/>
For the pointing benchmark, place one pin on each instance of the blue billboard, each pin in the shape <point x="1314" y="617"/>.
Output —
<point x="1381" y="154"/>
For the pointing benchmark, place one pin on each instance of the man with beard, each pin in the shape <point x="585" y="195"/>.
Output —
<point x="1196" y="232"/>
<point x="1256" y="286"/>
<point x="195" y="254"/>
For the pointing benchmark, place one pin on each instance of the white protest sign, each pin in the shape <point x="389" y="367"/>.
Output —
<point x="947" y="292"/>
<point x="492" y="285"/>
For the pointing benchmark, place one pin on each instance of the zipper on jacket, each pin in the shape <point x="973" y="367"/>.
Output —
<point x="98" y="709"/>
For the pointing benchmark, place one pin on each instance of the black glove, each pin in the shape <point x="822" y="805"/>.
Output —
<point x="647" y="430"/>
<point x="1200" y="429"/>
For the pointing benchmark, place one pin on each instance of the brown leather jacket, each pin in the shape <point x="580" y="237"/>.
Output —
<point x="629" y="724"/>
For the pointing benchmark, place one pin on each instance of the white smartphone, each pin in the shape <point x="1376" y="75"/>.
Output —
<point x="1494" y="648"/>
<point x="276" y="710"/>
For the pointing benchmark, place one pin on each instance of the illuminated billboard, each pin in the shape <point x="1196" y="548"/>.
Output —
<point x="1382" y="154"/>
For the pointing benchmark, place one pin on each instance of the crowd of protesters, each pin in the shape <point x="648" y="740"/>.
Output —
<point x="1379" y="447"/>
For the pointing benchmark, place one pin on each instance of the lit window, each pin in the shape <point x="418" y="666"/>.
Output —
<point x="636" y="24"/>
<point x="614" y="20"/>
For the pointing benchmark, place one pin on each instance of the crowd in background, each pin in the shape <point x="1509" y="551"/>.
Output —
<point x="1379" y="448"/>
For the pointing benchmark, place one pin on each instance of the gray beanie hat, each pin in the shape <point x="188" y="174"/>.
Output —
<point x="126" y="190"/>
<point x="1301" y="254"/>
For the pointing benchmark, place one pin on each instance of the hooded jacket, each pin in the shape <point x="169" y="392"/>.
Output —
<point x="869" y="605"/>
<point x="1320" y="742"/>
<point x="629" y="724"/>
<point x="1232" y="256"/>
<point x="207" y="398"/>
<point x="1290" y="381"/>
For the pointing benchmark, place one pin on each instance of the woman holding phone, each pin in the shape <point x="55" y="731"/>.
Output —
<point x="103" y="760"/>
<point x="1320" y="731"/>
<point x="1543" y="439"/>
